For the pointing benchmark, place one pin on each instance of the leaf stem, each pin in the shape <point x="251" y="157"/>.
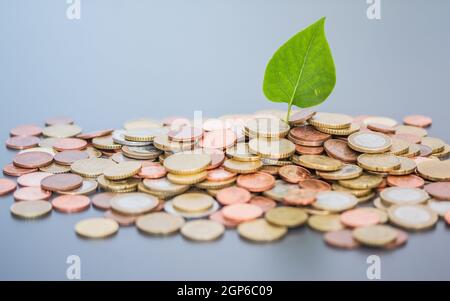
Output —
<point x="288" y="112"/>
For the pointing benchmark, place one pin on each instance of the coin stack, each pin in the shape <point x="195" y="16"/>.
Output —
<point x="362" y="181"/>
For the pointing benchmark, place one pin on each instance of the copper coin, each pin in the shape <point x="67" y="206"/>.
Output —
<point x="315" y="184"/>
<point x="447" y="218"/>
<point x="270" y="169"/>
<point x="154" y="171"/>
<point x="32" y="159"/>
<point x="302" y="116"/>
<point x="26" y="130"/>
<point x="175" y="121"/>
<point x="69" y="156"/>
<point x="300" y="197"/>
<point x="308" y="133"/>
<point x="22" y="142"/>
<point x="411" y="181"/>
<point x="341" y="239"/>
<point x="308" y="150"/>
<point x="425" y="150"/>
<point x="340" y="150"/>
<point x="121" y="219"/>
<point x="33" y="179"/>
<point x="359" y="218"/>
<point x="293" y="173"/>
<point x="382" y="128"/>
<point x="14" y="171"/>
<point x="65" y="144"/>
<point x="241" y="212"/>
<point x="233" y="195"/>
<point x="256" y="182"/>
<point x="185" y="133"/>
<point x="418" y="120"/>
<point x="95" y="134"/>
<point x="218" y="217"/>
<point x="263" y="202"/>
<point x="71" y="203"/>
<point x="402" y="238"/>
<point x="409" y="137"/>
<point x="219" y="174"/>
<point x="439" y="190"/>
<point x="7" y="186"/>
<point x="102" y="200"/>
<point x="58" y="120"/>
<point x="217" y="157"/>
<point x="31" y="194"/>
<point x="62" y="182"/>
<point x="220" y="139"/>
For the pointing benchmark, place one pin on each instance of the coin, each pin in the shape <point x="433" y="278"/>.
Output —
<point x="187" y="163"/>
<point x="144" y="135"/>
<point x="439" y="206"/>
<point x="294" y="173"/>
<point x="386" y="121"/>
<point x="413" y="130"/>
<point x="219" y="174"/>
<point x="341" y="239"/>
<point x="375" y="235"/>
<point x="260" y="230"/>
<point x="192" y="202"/>
<point x="62" y="182"/>
<point x="412" y="217"/>
<point x="70" y="156"/>
<point x="280" y="190"/>
<point x="154" y="171"/>
<point x="220" y="139"/>
<point x="407" y="166"/>
<point x="32" y="179"/>
<point x="87" y="187"/>
<point x="270" y="169"/>
<point x="133" y="203"/>
<point x="354" y="127"/>
<point x="57" y="120"/>
<point x="314" y="184"/>
<point x="437" y="145"/>
<point x="369" y="142"/>
<point x="61" y="131"/>
<point x="185" y="133"/>
<point x="242" y="167"/>
<point x="439" y="190"/>
<point x="141" y="123"/>
<point x="403" y="195"/>
<point x="102" y="200"/>
<point x="218" y="217"/>
<point x="359" y="218"/>
<point x="399" y="146"/>
<point x="7" y="186"/>
<point x="356" y="192"/>
<point x="331" y="120"/>
<point x="71" y="203"/>
<point x="300" y="197"/>
<point x="441" y="155"/>
<point x="105" y="143"/>
<point x="122" y="170"/>
<point x="402" y="238"/>
<point x="286" y="216"/>
<point x="233" y="195"/>
<point x="159" y="223"/>
<point x="308" y="133"/>
<point x="31" y="209"/>
<point x="92" y="167"/>
<point x="241" y="152"/>
<point x="411" y="181"/>
<point x="26" y="130"/>
<point x="325" y="223"/>
<point x="378" y="162"/>
<point x="319" y="162"/>
<point x="164" y="185"/>
<point x="14" y="171"/>
<point x="266" y="127"/>
<point x="22" y="142"/>
<point x="417" y="120"/>
<point x="301" y="116"/>
<point x="187" y="179"/>
<point x="411" y="138"/>
<point x="118" y="137"/>
<point x="241" y="212"/>
<point x="382" y="128"/>
<point x="121" y="219"/>
<point x="202" y="230"/>
<point x="95" y="134"/>
<point x="66" y="144"/>
<point x="263" y="202"/>
<point x="55" y="168"/>
<point x="31" y="194"/>
<point x="169" y="208"/>
<point x="348" y="171"/>
<point x="435" y="170"/>
<point x="334" y="201"/>
<point x="97" y="227"/>
<point x="339" y="149"/>
<point x="32" y="160"/>
<point x="447" y="218"/>
<point x="256" y="182"/>
<point x="215" y="184"/>
<point x="365" y="181"/>
<point x="272" y="148"/>
<point x="309" y="150"/>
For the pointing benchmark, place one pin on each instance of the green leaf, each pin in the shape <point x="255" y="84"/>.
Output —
<point x="302" y="71"/>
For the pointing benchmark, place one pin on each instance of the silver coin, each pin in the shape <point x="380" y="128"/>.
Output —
<point x="118" y="137"/>
<point x="168" y="207"/>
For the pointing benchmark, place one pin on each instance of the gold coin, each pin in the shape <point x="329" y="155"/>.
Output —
<point x="122" y="170"/>
<point x="187" y="179"/>
<point x="48" y="142"/>
<point x="215" y="184"/>
<point x="340" y="132"/>
<point x="269" y="162"/>
<point x="272" y="148"/>
<point x="133" y="203"/>
<point x="386" y="121"/>
<point x="444" y="153"/>
<point x="375" y="236"/>
<point x="165" y="186"/>
<point x="148" y="152"/>
<point x="369" y="142"/>
<point x="331" y="120"/>
<point x="413" y="151"/>
<point x="241" y="166"/>
<point x="334" y="201"/>
<point x="325" y="223"/>
<point x="118" y="186"/>
<point x="378" y="203"/>
<point x="412" y="130"/>
<point x="439" y="206"/>
<point x="260" y="230"/>
<point x="163" y="142"/>
<point x="142" y="123"/>
<point x="280" y="190"/>
<point x="31" y="209"/>
<point x="241" y="152"/>
<point x="193" y="202"/>
<point x="91" y="168"/>
<point x="105" y="143"/>
<point x="355" y="192"/>
<point x="55" y="168"/>
<point x="319" y="162"/>
<point x="160" y="195"/>
<point x="435" y="170"/>
<point x="266" y="127"/>
<point x="87" y="187"/>
<point x="348" y="171"/>
<point x="399" y="146"/>
<point x="202" y="230"/>
<point x="378" y="162"/>
<point x="61" y="131"/>
<point x="48" y="150"/>
<point x="159" y="223"/>
<point x="436" y="144"/>
<point x="145" y="135"/>
<point x="286" y="216"/>
<point x="365" y="181"/>
<point x="412" y="217"/>
<point x="365" y="198"/>
<point x="403" y="196"/>
<point x="97" y="227"/>
<point x="187" y="163"/>
<point x="93" y="152"/>
<point x="407" y="166"/>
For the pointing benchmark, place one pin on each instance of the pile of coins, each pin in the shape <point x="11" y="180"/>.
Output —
<point x="362" y="181"/>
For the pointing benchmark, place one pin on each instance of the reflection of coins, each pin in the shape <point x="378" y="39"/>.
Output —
<point x="412" y="217"/>
<point x="31" y="209"/>
<point x="369" y="142"/>
<point x="96" y="227"/>
<point x="202" y="230"/>
<point x="286" y="216"/>
<point x="260" y="230"/>
<point x="159" y="223"/>
<point x="375" y="236"/>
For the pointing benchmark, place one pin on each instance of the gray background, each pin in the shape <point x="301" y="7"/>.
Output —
<point x="127" y="59"/>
